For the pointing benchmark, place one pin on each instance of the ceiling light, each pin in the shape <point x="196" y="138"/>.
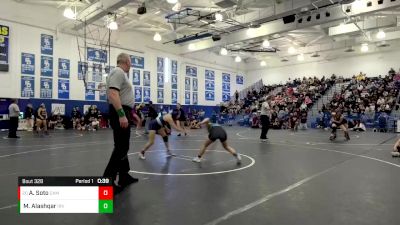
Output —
<point x="191" y="47"/>
<point x="251" y="32"/>
<point x="112" y="25"/>
<point x="266" y="44"/>
<point x="223" y="51"/>
<point x="364" y="47"/>
<point x="172" y="1"/>
<point x="381" y="34"/>
<point x="177" y="7"/>
<point x="300" y="57"/>
<point x="358" y="4"/>
<point x="291" y="50"/>
<point x="158" y="12"/>
<point x="263" y="63"/>
<point x="238" y="59"/>
<point x="69" y="13"/>
<point x="219" y="17"/>
<point x="157" y="37"/>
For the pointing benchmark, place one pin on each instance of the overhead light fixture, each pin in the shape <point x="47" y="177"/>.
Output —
<point x="172" y="1"/>
<point x="158" y="12"/>
<point x="113" y="25"/>
<point x="223" y="51"/>
<point x="219" y="17"/>
<point x="192" y="47"/>
<point x="300" y="57"/>
<point x="364" y="47"/>
<point x="263" y="63"/>
<point x="177" y="7"/>
<point x="381" y="34"/>
<point x="266" y="44"/>
<point x="250" y="31"/>
<point x="69" y="13"/>
<point x="238" y="59"/>
<point x="112" y="22"/>
<point x="358" y="4"/>
<point x="157" y="37"/>
<point x="291" y="50"/>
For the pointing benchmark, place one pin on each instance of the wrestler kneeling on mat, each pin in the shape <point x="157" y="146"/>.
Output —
<point x="216" y="132"/>
<point x="160" y="126"/>
<point x="338" y="121"/>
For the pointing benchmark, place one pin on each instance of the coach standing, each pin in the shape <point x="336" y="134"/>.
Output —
<point x="265" y="111"/>
<point x="121" y="100"/>
<point x="13" y="114"/>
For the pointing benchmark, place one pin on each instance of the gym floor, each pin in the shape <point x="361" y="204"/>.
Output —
<point x="294" y="178"/>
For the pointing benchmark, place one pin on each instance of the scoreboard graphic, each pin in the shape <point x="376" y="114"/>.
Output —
<point x="65" y="195"/>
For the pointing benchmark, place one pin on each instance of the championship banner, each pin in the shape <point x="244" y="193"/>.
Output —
<point x="239" y="79"/>
<point x="174" y="96"/>
<point x="136" y="77"/>
<point x="27" y="86"/>
<point x="146" y="78"/>
<point x="160" y="80"/>
<point x="187" y="97"/>
<point x="89" y="92"/>
<point x="97" y="75"/>
<point x="46" y="66"/>
<point x="226" y="77"/>
<point x="191" y="71"/>
<point x="160" y="96"/>
<point x="137" y="62"/>
<point x="63" y="68"/>
<point x="138" y="94"/>
<point x="210" y="74"/>
<point x="46" y="44"/>
<point x="28" y="63"/>
<point x="174" y="82"/>
<point x="82" y="69"/>
<point x="226" y="87"/>
<point x="146" y="94"/>
<point x="210" y="95"/>
<point x="4" y="46"/>
<point x="195" y="84"/>
<point x="103" y="95"/>
<point x="46" y="87"/>
<point x="226" y="97"/>
<point x="187" y="83"/>
<point x="96" y="55"/>
<point x="210" y="85"/>
<point x="195" y="98"/>
<point x="174" y="67"/>
<point x="63" y="89"/>
<point x="160" y="65"/>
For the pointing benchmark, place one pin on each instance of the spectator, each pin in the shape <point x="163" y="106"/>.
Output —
<point x="28" y="116"/>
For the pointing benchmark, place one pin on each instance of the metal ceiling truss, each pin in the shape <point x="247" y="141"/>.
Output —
<point x="333" y="12"/>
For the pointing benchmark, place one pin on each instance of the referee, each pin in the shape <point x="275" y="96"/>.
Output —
<point x="265" y="111"/>
<point x="120" y="98"/>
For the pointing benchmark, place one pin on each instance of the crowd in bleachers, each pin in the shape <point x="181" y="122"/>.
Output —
<point x="290" y="103"/>
<point x="366" y="101"/>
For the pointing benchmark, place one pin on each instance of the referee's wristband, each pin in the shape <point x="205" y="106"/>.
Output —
<point x="121" y="112"/>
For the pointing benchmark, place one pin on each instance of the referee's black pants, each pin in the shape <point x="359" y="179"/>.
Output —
<point x="265" y="126"/>
<point x="13" y="127"/>
<point x="119" y="162"/>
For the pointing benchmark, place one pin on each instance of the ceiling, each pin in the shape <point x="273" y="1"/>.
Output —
<point x="328" y="36"/>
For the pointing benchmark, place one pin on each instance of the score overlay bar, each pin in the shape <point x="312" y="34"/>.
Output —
<point x="65" y="195"/>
